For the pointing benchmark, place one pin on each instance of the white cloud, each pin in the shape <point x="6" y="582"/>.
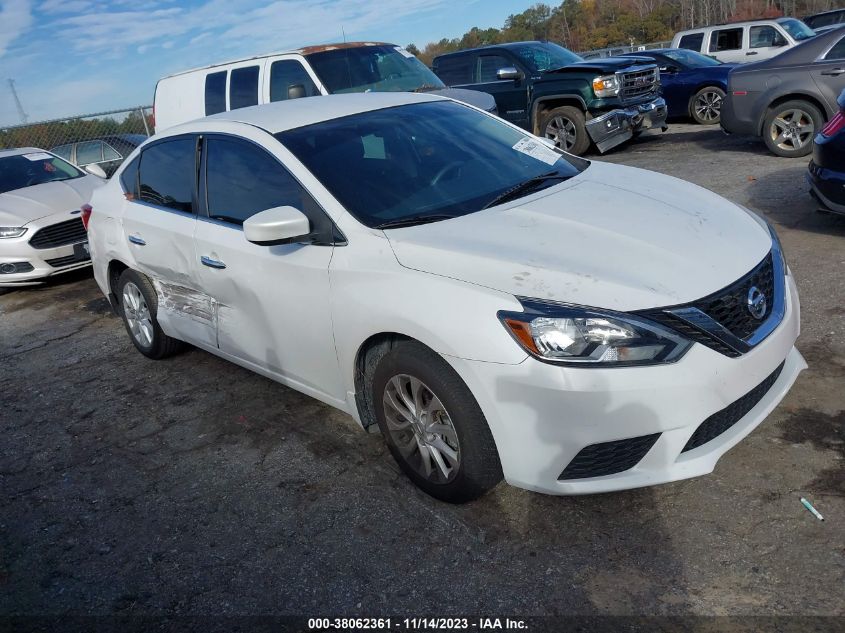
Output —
<point x="64" y="6"/>
<point x="15" y="20"/>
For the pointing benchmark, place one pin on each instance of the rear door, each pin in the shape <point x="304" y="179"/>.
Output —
<point x="829" y="74"/>
<point x="729" y="44"/>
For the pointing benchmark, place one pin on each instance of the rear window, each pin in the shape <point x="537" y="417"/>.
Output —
<point x="825" y="19"/>
<point x="168" y="174"/>
<point x="243" y="88"/>
<point x="215" y="93"/>
<point x="726" y="40"/>
<point x="692" y="42"/>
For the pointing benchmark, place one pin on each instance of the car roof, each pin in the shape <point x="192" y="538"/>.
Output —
<point x="17" y="151"/>
<point x="817" y="15"/>
<point x="280" y="116"/>
<point x="736" y="24"/>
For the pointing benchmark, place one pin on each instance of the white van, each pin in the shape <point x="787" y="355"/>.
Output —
<point x="305" y="72"/>
<point x="744" y="41"/>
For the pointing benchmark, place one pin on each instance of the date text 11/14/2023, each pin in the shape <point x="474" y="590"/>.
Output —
<point x="416" y="624"/>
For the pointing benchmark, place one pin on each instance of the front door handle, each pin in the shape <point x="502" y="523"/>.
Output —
<point x="136" y="239"/>
<point x="212" y="263"/>
<point x="752" y="53"/>
<point x="834" y="73"/>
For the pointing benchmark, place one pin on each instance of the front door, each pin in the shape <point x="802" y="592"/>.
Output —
<point x="511" y="95"/>
<point x="272" y="301"/>
<point x="729" y="44"/>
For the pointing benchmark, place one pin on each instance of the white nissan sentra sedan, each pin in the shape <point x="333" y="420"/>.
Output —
<point x="41" y="231"/>
<point x="496" y="307"/>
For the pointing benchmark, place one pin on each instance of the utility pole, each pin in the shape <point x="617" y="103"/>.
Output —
<point x="21" y="112"/>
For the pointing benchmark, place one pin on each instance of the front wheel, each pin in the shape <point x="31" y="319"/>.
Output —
<point x="706" y="105"/>
<point x="567" y="127"/>
<point x="789" y="128"/>
<point x="433" y="425"/>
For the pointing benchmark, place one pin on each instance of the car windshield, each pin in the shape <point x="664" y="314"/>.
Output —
<point x="545" y="56"/>
<point x="438" y="160"/>
<point x="34" y="168"/>
<point x="797" y="29"/>
<point x="691" y="59"/>
<point x="372" y="68"/>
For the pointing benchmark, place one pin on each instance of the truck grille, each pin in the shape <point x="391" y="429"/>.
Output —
<point x="638" y="84"/>
<point x="59" y="234"/>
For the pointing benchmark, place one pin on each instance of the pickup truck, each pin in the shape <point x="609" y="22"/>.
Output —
<point x="552" y="92"/>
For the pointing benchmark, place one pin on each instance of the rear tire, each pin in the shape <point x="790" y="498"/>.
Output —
<point x="433" y="425"/>
<point x="567" y="127"/>
<point x="789" y="128"/>
<point x="706" y="105"/>
<point x="138" y="303"/>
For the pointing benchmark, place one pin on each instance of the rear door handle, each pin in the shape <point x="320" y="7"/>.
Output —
<point x="834" y="73"/>
<point x="212" y="263"/>
<point x="752" y="53"/>
<point x="136" y="239"/>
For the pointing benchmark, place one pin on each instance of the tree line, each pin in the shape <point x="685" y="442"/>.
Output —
<point x="583" y="25"/>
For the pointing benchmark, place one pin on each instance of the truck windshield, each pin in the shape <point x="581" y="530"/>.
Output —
<point x="425" y="162"/>
<point x="34" y="168"/>
<point x="372" y="68"/>
<point x="797" y="29"/>
<point x="544" y="56"/>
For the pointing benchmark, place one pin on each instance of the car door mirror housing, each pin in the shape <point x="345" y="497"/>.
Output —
<point x="508" y="74"/>
<point x="296" y="91"/>
<point x="669" y="69"/>
<point x="95" y="170"/>
<point x="279" y="225"/>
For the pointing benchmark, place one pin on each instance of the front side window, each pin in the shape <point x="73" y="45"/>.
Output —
<point x="726" y="40"/>
<point x="765" y="36"/>
<point x="64" y="151"/>
<point x="489" y="65"/>
<point x="692" y="42"/>
<point x="288" y="78"/>
<point x="89" y="152"/>
<point x="545" y="56"/>
<point x="34" y="168"/>
<point x="425" y="159"/>
<point x="455" y="70"/>
<point x="372" y="68"/>
<point x="168" y="174"/>
<point x="243" y="87"/>
<point x="110" y="153"/>
<point x="215" y="93"/>
<point x="242" y="180"/>
<point x="837" y="52"/>
<point x="129" y="179"/>
<point x="796" y="29"/>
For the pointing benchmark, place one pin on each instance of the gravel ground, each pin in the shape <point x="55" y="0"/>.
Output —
<point x="191" y="486"/>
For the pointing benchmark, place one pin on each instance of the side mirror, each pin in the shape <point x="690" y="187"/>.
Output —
<point x="508" y="74"/>
<point x="669" y="69"/>
<point x="279" y="225"/>
<point x="296" y="91"/>
<point x="95" y="170"/>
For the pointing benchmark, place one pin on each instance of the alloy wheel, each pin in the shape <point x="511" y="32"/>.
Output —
<point x="137" y="315"/>
<point x="421" y="429"/>
<point x="792" y="129"/>
<point x="708" y="106"/>
<point x="562" y="131"/>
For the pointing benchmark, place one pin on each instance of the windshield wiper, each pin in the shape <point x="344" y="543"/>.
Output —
<point x="414" y="221"/>
<point x="524" y="187"/>
<point x="427" y="88"/>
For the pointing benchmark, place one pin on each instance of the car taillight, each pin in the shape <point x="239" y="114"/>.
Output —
<point x="834" y="125"/>
<point x="86" y="214"/>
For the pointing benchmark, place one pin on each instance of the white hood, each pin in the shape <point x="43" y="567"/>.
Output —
<point x="613" y="237"/>
<point x="21" y="206"/>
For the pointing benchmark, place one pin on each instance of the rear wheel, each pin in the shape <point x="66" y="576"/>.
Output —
<point x="706" y="105"/>
<point x="567" y="127"/>
<point x="789" y="128"/>
<point x="138" y="307"/>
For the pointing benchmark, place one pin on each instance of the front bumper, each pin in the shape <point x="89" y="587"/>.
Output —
<point x="33" y="265"/>
<point x="542" y="416"/>
<point x="617" y="126"/>
<point x="828" y="187"/>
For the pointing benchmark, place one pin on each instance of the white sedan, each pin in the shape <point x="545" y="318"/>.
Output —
<point x="41" y="228"/>
<point x="495" y="306"/>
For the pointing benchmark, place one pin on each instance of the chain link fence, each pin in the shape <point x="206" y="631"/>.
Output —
<point x="61" y="133"/>
<point x="618" y="50"/>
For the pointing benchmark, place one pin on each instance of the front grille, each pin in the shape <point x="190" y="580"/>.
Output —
<point x="692" y="333"/>
<point x="637" y="84"/>
<point x="608" y="458"/>
<point x="58" y="262"/>
<point x="13" y="268"/>
<point x="722" y="420"/>
<point x="59" y="234"/>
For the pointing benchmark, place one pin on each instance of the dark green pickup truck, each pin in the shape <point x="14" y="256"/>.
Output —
<point x="552" y="92"/>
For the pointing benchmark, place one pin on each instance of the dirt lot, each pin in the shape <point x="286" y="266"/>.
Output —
<point x="192" y="486"/>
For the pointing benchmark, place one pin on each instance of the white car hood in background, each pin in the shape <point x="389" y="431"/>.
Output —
<point x="613" y="237"/>
<point x="21" y="206"/>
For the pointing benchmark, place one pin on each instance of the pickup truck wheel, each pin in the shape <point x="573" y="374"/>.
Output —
<point x="433" y="425"/>
<point x="706" y="105"/>
<point x="138" y="307"/>
<point x="567" y="127"/>
<point x="789" y="128"/>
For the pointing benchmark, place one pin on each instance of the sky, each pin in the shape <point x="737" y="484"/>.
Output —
<point x="72" y="57"/>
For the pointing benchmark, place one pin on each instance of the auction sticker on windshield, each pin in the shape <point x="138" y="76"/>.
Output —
<point x="38" y="156"/>
<point x="536" y="149"/>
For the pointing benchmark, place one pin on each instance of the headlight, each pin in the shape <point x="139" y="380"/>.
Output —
<point x="606" y="86"/>
<point x="11" y="231"/>
<point x="574" y="335"/>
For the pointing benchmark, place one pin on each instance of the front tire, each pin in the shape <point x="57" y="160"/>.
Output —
<point x="138" y="307"/>
<point x="433" y="425"/>
<point x="789" y="128"/>
<point x="567" y="127"/>
<point x="706" y="105"/>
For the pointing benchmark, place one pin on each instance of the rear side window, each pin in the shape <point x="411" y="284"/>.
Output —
<point x="489" y="65"/>
<point x="243" y="87"/>
<point x="215" y="93"/>
<point x="286" y="74"/>
<point x="129" y="179"/>
<point x="454" y="70"/>
<point x="692" y="42"/>
<point x="242" y="180"/>
<point x="837" y="52"/>
<point x="168" y="174"/>
<point x="726" y="40"/>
